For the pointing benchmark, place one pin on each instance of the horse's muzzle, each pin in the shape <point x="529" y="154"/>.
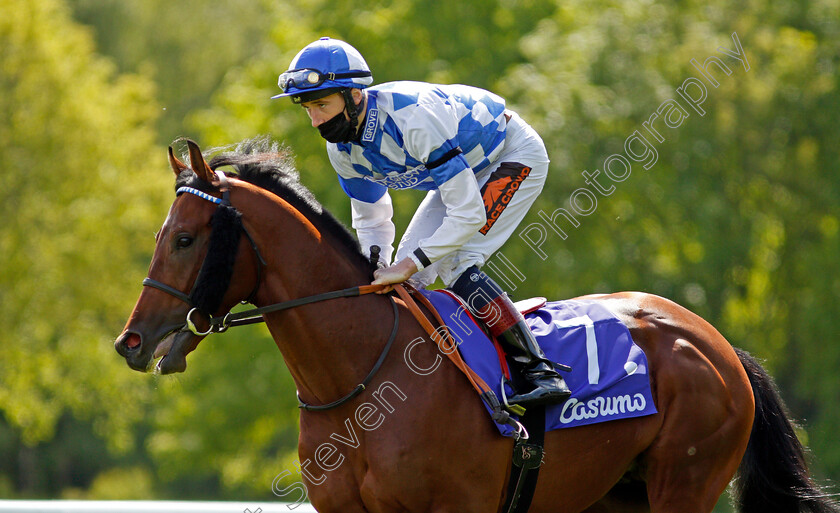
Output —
<point x="129" y="345"/>
<point x="171" y="346"/>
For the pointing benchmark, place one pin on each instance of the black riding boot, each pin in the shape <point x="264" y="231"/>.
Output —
<point x="538" y="370"/>
<point x="490" y="304"/>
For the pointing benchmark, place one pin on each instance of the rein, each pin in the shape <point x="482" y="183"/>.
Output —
<point x="255" y="315"/>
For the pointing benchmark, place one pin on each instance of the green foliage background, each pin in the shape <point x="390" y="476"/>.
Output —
<point x="738" y="218"/>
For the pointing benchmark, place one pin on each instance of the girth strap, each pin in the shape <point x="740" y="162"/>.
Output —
<point x="526" y="462"/>
<point x="527" y="449"/>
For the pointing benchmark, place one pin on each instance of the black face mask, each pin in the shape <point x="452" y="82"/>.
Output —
<point x="337" y="129"/>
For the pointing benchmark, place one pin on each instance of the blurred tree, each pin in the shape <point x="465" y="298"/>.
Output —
<point x="736" y="217"/>
<point x="75" y="147"/>
<point x="186" y="47"/>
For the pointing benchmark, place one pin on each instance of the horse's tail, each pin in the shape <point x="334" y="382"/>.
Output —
<point x="773" y="475"/>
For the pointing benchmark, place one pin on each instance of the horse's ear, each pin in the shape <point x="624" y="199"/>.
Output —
<point x="176" y="164"/>
<point x="199" y="165"/>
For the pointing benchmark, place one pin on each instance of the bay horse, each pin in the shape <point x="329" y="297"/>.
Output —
<point x="422" y="442"/>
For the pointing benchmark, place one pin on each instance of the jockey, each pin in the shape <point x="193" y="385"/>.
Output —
<point x="481" y="163"/>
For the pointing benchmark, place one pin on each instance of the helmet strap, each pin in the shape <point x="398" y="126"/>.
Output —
<point x="352" y="109"/>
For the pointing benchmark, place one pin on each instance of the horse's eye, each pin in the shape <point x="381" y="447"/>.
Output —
<point x="183" y="241"/>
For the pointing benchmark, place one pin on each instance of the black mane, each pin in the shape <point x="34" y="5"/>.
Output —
<point x="266" y="164"/>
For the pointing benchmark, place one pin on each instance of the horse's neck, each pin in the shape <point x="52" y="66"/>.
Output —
<point x="328" y="345"/>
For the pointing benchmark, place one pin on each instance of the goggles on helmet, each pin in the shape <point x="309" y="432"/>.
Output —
<point x="309" y="78"/>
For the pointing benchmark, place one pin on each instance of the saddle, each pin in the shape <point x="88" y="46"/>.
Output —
<point x="533" y="304"/>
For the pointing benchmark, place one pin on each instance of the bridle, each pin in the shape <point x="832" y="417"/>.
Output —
<point x="220" y="324"/>
<point x="217" y="324"/>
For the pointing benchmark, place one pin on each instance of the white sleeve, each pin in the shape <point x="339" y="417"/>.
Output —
<point x="464" y="217"/>
<point x="373" y="225"/>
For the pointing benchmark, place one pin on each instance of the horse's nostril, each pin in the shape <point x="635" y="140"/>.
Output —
<point x="132" y="341"/>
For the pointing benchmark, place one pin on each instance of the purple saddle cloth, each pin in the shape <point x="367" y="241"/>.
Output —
<point x="609" y="378"/>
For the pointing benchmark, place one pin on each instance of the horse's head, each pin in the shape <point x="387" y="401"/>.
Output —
<point x="196" y="270"/>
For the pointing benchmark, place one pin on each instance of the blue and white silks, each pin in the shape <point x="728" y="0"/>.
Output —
<point x="410" y="126"/>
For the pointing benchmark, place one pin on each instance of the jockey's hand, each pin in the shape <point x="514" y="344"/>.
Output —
<point x="396" y="273"/>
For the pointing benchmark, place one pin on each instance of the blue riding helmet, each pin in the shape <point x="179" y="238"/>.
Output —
<point x="322" y="68"/>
